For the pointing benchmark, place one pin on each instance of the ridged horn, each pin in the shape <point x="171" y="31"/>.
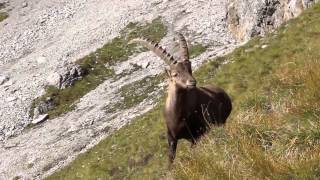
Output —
<point x="183" y="50"/>
<point x="156" y="48"/>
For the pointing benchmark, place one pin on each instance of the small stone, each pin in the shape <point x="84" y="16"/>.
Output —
<point x="3" y="79"/>
<point x="10" y="99"/>
<point x="24" y="4"/>
<point x="40" y="119"/>
<point x="264" y="46"/>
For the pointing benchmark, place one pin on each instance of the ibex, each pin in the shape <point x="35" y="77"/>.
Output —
<point x="190" y="111"/>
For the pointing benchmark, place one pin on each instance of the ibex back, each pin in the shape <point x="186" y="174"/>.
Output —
<point x="190" y="111"/>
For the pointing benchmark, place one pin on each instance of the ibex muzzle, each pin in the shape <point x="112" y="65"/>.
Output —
<point x="190" y="111"/>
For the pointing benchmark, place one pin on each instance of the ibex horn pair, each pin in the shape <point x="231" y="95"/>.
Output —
<point x="162" y="52"/>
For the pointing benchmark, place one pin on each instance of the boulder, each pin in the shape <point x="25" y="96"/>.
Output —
<point x="45" y="106"/>
<point x="54" y="79"/>
<point x="70" y="76"/>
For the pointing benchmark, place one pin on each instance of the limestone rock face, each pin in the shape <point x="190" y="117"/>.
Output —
<point x="257" y="17"/>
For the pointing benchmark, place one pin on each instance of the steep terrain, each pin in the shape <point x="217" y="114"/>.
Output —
<point x="273" y="132"/>
<point x="40" y="39"/>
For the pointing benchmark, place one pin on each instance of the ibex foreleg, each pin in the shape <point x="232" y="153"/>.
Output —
<point x="172" y="142"/>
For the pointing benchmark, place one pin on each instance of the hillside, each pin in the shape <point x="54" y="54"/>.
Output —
<point x="69" y="79"/>
<point x="273" y="132"/>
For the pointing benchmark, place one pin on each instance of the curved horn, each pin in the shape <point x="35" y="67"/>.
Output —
<point x="184" y="52"/>
<point x="156" y="48"/>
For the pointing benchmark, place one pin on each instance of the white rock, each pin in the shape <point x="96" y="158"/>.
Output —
<point x="41" y="60"/>
<point x="145" y="64"/>
<point x="40" y="119"/>
<point x="24" y="4"/>
<point x="264" y="46"/>
<point x="54" y="79"/>
<point x="10" y="99"/>
<point x="8" y="83"/>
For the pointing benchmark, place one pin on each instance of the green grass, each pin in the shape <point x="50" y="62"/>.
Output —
<point x="196" y="49"/>
<point x="124" y="154"/>
<point x="97" y="64"/>
<point x="273" y="131"/>
<point x="3" y="16"/>
<point x="136" y="92"/>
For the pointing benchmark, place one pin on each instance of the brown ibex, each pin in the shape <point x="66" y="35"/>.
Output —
<point x="189" y="111"/>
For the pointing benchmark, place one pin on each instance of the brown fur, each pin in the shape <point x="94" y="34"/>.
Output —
<point x="190" y="111"/>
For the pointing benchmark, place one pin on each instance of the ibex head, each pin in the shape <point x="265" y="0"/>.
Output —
<point x="180" y="72"/>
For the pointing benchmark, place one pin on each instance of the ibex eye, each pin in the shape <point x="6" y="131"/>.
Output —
<point x="174" y="74"/>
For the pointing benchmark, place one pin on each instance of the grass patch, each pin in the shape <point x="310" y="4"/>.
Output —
<point x="196" y="49"/>
<point x="136" y="92"/>
<point x="3" y="16"/>
<point x="124" y="155"/>
<point x="97" y="66"/>
<point x="273" y="131"/>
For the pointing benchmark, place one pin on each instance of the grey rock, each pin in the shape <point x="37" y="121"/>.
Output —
<point x="70" y="76"/>
<point x="257" y="17"/>
<point x="44" y="106"/>
<point x="3" y="79"/>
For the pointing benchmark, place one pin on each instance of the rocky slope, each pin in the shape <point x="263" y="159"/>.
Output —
<point x="44" y="37"/>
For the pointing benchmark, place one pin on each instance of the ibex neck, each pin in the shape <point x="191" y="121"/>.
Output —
<point x="176" y="99"/>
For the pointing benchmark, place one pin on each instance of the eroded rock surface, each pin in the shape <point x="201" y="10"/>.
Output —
<point x="257" y="17"/>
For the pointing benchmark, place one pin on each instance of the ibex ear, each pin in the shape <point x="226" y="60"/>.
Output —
<point x="168" y="72"/>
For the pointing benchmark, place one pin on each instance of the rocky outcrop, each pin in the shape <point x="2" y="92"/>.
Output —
<point x="258" y="17"/>
<point x="66" y="76"/>
<point x="43" y="107"/>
